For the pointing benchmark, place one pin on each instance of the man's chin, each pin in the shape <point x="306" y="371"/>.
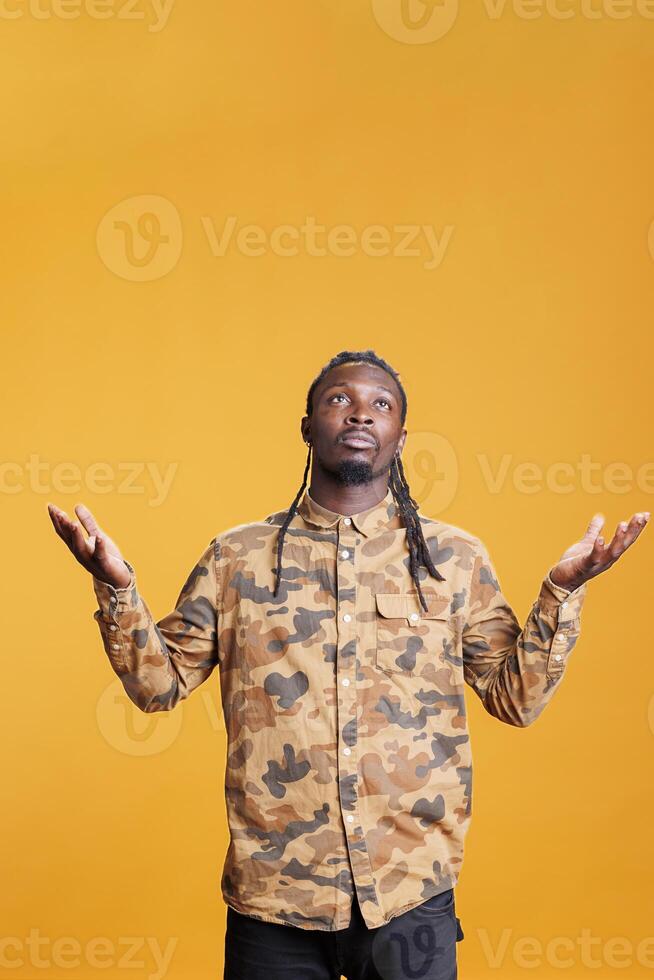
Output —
<point x="353" y="472"/>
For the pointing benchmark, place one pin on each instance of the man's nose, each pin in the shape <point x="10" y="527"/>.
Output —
<point x="359" y="417"/>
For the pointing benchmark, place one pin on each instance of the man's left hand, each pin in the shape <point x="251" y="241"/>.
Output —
<point x="590" y="556"/>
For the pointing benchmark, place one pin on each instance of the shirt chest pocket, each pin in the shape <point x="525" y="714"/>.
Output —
<point x="410" y="639"/>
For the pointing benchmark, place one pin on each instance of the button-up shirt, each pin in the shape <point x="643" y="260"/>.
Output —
<point x="348" y="755"/>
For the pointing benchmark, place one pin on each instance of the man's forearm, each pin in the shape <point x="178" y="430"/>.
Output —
<point x="160" y="663"/>
<point x="516" y="671"/>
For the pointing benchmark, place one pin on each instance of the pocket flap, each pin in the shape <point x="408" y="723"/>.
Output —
<point x="405" y="605"/>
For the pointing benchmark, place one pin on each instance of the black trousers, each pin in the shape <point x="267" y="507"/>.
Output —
<point x="420" y="944"/>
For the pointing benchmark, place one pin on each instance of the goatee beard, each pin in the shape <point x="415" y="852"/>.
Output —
<point x="353" y="472"/>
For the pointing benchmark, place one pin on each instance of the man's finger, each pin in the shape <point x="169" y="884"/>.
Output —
<point x="635" y="526"/>
<point x="618" y="542"/>
<point x="55" y="521"/>
<point x="100" y="552"/>
<point x="62" y="524"/>
<point x="597" y="554"/>
<point x="87" y="519"/>
<point x="67" y="526"/>
<point x="61" y="531"/>
<point x="593" y="528"/>
<point x="625" y="534"/>
<point x="78" y="542"/>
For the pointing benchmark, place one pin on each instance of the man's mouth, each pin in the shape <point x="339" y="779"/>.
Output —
<point x="359" y="440"/>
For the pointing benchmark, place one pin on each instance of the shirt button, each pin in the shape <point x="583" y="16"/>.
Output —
<point x="346" y="617"/>
<point x="115" y="646"/>
<point x="557" y="656"/>
<point x="345" y="554"/>
<point x="414" y="616"/>
<point x="350" y="818"/>
<point x="347" y="751"/>
<point x="347" y="520"/>
<point x="563" y="605"/>
<point x="346" y="682"/>
<point x="113" y="627"/>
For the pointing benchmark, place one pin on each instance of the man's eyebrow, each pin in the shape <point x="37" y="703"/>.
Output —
<point x="346" y="384"/>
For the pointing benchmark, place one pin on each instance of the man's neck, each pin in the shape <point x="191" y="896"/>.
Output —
<point x="348" y="499"/>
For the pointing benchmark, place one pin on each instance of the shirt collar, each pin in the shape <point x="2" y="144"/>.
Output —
<point x="380" y="516"/>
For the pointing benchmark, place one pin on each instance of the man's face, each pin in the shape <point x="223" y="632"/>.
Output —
<point x="355" y="427"/>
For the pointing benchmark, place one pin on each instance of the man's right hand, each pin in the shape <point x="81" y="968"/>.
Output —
<point x="98" y="553"/>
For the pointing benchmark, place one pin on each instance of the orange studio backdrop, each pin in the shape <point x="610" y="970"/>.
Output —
<point x="202" y="203"/>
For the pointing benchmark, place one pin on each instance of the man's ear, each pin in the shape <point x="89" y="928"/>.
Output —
<point x="304" y="428"/>
<point x="401" y="441"/>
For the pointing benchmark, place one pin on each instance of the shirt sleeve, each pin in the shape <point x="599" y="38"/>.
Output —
<point x="516" y="671"/>
<point x="161" y="663"/>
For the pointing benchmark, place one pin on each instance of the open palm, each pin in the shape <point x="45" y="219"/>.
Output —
<point x="98" y="553"/>
<point x="589" y="556"/>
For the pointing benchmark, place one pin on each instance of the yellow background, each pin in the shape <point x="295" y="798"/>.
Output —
<point x="530" y="342"/>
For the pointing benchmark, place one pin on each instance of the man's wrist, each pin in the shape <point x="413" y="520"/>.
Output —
<point x="118" y="597"/>
<point x="119" y="588"/>
<point x="568" y="586"/>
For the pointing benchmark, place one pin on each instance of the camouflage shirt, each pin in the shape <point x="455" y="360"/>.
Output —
<point x="348" y="754"/>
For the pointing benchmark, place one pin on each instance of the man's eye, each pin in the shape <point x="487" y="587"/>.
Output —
<point x="343" y="395"/>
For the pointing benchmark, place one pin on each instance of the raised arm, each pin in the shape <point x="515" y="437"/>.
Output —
<point x="159" y="663"/>
<point x="516" y="671"/>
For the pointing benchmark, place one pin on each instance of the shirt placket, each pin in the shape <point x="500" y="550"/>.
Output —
<point x="346" y="668"/>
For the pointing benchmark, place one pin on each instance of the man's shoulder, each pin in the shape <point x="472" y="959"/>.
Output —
<point x="248" y="531"/>
<point x="456" y="537"/>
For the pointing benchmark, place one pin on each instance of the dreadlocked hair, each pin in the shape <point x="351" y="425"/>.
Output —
<point x="408" y="508"/>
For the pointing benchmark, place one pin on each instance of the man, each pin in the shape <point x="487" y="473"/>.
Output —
<point x="344" y="629"/>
